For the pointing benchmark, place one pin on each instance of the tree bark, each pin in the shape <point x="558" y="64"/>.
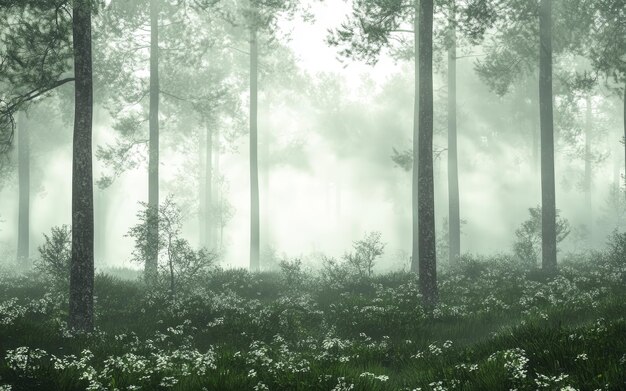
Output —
<point x="152" y="260"/>
<point x="217" y="196"/>
<point x="416" y="127"/>
<point x="588" y="176"/>
<point x="254" y="166"/>
<point x="202" y="214"/>
<point x="209" y="220"/>
<point x="82" y="266"/>
<point x="454" y="219"/>
<point x="426" y="199"/>
<point x="548" y="196"/>
<point x="23" y="161"/>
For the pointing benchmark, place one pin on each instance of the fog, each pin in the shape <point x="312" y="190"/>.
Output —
<point x="332" y="125"/>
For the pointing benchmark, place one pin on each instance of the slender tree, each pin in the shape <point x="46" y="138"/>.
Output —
<point x="23" y="152"/>
<point x="255" y="240"/>
<point x="426" y="195"/>
<point x="82" y="266"/>
<point x="548" y="197"/>
<point x="153" y="147"/>
<point x="454" y="214"/>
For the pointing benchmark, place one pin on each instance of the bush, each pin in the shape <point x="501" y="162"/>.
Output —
<point x="527" y="246"/>
<point x="362" y="260"/>
<point x="292" y="275"/>
<point x="617" y="248"/>
<point x="55" y="255"/>
<point x="179" y="264"/>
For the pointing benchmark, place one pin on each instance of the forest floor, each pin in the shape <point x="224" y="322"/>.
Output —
<point x="497" y="327"/>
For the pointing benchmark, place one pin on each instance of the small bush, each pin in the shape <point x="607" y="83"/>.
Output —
<point x="179" y="264"/>
<point x="362" y="260"/>
<point x="55" y="255"/>
<point x="527" y="246"/>
<point x="617" y="247"/>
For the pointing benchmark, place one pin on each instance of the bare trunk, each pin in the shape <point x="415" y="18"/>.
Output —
<point x="254" y="167"/>
<point x="588" y="178"/>
<point x="416" y="127"/>
<point x="217" y="197"/>
<point x="82" y="267"/>
<point x="153" y="163"/>
<point x="453" y="170"/>
<point x="548" y="197"/>
<point x="209" y="221"/>
<point x="23" y="161"/>
<point x="266" y="240"/>
<point x="202" y="213"/>
<point x="426" y="199"/>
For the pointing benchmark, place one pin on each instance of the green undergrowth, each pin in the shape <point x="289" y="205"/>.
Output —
<point x="496" y="327"/>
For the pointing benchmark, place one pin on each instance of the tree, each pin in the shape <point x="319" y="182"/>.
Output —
<point x="364" y="36"/>
<point x="82" y="267"/>
<point x="23" y="230"/>
<point x="257" y="19"/>
<point x="36" y="60"/>
<point x="510" y="57"/>
<point x="606" y="45"/>
<point x="548" y="198"/>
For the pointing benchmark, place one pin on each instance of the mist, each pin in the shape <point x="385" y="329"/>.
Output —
<point x="312" y="195"/>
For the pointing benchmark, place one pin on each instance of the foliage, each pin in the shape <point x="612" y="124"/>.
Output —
<point x="366" y="251"/>
<point x="179" y="264"/>
<point x="55" y="255"/>
<point x="527" y="246"/>
<point x="496" y="330"/>
<point x="617" y="248"/>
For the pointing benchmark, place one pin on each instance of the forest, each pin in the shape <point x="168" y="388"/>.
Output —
<point x="313" y="195"/>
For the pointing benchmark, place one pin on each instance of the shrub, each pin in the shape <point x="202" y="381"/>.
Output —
<point x="55" y="255"/>
<point x="617" y="247"/>
<point x="179" y="264"/>
<point x="527" y="246"/>
<point x="292" y="275"/>
<point x="362" y="260"/>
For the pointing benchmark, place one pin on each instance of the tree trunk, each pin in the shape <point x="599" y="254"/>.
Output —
<point x="588" y="179"/>
<point x="266" y="242"/>
<point x="426" y="199"/>
<point x="23" y="161"/>
<point x="153" y="163"/>
<point x="416" y="127"/>
<point x="254" y="166"/>
<point x="548" y="197"/>
<point x="82" y="267"/>
<point x="454" y="222"/>
<point x="209" y="221"/>
<point x="201" y="189"/>
<point x="624" y="103"/>
<point x="217" y="196"/>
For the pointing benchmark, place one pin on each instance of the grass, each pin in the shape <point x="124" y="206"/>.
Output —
<point x="497" y="327"/>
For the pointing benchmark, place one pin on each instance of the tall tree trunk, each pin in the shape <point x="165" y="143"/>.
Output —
<point x="254" y="166"/>
<point x="217" y="196"/>
<point x="209" y="219"/>
<point x="82" y="268"/>
<point x="624" y="103"/>
<point x="588" y="178"/>
<point x="266" y="240"/>
<point x="426" y="199"/>
<point x="202" y="214"/>
<point x="416" y="127"/>
<point x="23" y="161"/>
<point x="153" y="163"/>
<point x="548" y="196"/>
<point x="454" y="222"/>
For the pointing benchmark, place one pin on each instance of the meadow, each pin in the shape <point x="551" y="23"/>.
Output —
<point x="498" y="326"/>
